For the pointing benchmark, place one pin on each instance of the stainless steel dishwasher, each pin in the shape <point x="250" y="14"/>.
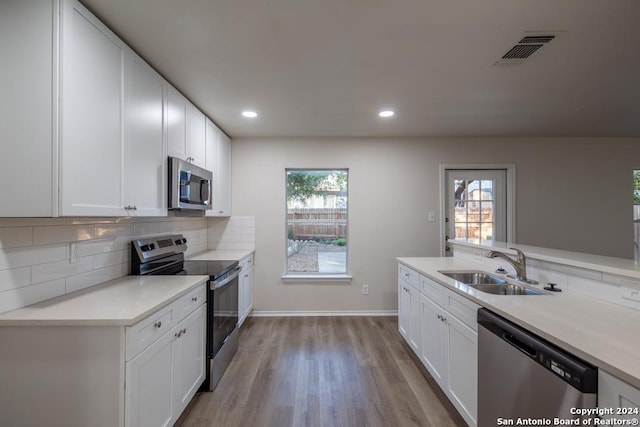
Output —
<point x="521" y="375"/>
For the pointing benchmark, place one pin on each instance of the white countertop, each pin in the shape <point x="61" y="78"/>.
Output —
<point x="222" y="255"/>
<point x="599" y="332"/>
<point x="123" y="301"/>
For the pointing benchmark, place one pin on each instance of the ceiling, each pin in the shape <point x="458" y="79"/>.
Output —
<point x="325" y="68"/>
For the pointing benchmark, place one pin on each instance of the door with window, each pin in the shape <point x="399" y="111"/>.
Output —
<point x="476" y="205"/>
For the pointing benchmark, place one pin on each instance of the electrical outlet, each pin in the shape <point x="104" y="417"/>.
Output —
<point x="365" y="289"/>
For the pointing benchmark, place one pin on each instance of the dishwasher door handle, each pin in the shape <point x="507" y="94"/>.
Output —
<point x="520" y="345"/>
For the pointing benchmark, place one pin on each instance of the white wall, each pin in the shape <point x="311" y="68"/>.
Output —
<point x="572" y="193"/>
<point x="36" y="262"/>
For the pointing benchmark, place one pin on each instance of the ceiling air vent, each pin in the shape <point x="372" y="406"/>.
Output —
<point x="526" y="47"/>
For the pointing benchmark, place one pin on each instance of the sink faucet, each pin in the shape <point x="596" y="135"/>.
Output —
<point x="520" y="265"/>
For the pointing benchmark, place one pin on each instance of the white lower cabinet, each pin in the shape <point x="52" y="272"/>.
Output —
<point x="621" y="397"/>
<point x="188" y="364"/>
<point x="245" y="289"/>
<point x="105" y="376"/>
<point x="409" y="306"/>
<point x="433" y="353"/>
<point x="448" y="339"/>
<point x="409" y="324"/>
<point x="148" y="386"/>
<point x="163" y="378"/>
<point x="462" y="372"/>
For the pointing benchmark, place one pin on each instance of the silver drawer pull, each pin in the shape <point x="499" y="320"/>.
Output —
<point x="157" y="324"/>
<point x="194" y="299"/>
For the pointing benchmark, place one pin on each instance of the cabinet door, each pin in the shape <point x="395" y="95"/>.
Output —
<point x="245" y="294"/>
<point x="409" y="314"/>
<point x="248" y="291"/>
<point x="463" y="369"/>
<point x="148" y="386"/>
<point x="188" y="358"/>
<point x="27" y="109"/>
<point x="415" y="327"/>
<point x="92" y="116"/>
<point x="145" y="175"/>
<point x="196" y="140"/>
<point x="617" y="394"/>
<point x="433" y="352"/>
<point x="404" y="309"/>
<point x="219" y="162"/>
<point x="222" y="185"/>
<point x="177" y="124"/>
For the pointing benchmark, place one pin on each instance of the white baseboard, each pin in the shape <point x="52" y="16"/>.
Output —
<point x="323" y="313"/>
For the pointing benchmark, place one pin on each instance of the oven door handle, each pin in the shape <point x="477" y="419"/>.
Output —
<point x="218" y="284"/>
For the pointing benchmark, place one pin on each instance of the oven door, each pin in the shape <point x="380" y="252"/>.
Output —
<point x="224" y="316"/>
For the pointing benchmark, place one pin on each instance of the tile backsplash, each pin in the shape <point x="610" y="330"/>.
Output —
<point x="41" y="258"/>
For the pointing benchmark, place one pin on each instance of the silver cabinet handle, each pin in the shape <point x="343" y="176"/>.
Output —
<point x="158" y="324"/>
<point x="194" y="299"/>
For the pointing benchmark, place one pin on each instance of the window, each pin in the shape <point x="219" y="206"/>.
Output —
<point x="317" y="222"/>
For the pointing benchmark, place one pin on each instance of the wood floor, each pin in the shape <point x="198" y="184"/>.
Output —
<point x="324" y="372"/>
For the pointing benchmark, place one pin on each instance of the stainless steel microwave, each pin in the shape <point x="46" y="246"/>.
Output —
<point x="189" y="186"/>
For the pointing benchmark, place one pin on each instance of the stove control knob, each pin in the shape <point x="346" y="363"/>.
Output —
<point x="152" y="246"/>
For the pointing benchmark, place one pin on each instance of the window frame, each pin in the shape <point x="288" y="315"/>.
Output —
<point x="316" y="277"/>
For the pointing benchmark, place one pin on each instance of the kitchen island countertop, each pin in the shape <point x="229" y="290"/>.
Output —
<point x="602" y="333"/>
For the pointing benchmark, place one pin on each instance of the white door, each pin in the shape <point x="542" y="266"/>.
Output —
<point x="476" y="205"/>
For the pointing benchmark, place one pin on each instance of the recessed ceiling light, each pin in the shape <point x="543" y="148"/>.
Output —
<point x="250" y="114"/>
<point x="386" y="113"/>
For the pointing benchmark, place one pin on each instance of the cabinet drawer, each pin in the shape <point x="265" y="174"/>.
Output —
<point x="433" y="290"/>
<point x="247" y="262"/>
<point x="463" y="309"/>
<point x="148" y="330"/>
<point x="189" y="302"/>
<point x="408" y="275"/>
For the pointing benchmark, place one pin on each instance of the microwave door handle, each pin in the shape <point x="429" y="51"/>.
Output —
<point x="205" y="185"/>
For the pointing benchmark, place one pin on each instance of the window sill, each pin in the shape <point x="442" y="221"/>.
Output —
<point x="317" y="278"/>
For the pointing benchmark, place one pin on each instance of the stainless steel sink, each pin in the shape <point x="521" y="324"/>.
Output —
<point x="473" y="277"/>
<point x="487" y="283"/>
<point x="507" y="289"/>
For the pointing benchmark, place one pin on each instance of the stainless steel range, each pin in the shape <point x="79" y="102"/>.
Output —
<point x="164" y="255"/>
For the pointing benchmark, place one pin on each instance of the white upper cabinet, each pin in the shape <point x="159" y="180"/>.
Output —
<point x="177" y="124"/>
<point x="92" y="116"/>
<point x="196" y="137"/>
<point x="28" y="149"/>
<point x="218" y="161"/>
<point x="186" y="129"/>
<point x="86" y="121"/>
<point x="145" y="171"/>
